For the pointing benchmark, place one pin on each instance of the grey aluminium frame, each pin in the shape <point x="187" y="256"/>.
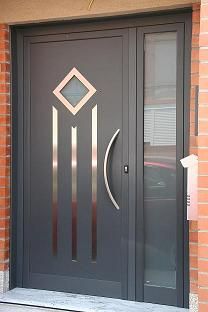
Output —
<point x="19" y="34"/>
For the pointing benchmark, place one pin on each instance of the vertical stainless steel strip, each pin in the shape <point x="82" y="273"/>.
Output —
<point x="74" y="190"/>
<point x="94" y="183"/>
<point x="55" y="181"/>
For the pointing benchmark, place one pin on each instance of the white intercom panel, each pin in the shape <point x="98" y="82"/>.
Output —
<point x="191" y="163"/>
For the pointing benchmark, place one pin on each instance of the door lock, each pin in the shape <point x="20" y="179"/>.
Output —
<point x="126" y="169"/>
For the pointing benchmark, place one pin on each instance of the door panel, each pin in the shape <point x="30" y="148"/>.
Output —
<point x="74" y="232"/>
<point x="82" y="84"/>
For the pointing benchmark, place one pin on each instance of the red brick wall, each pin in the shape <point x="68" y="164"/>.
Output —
<point x="203" y="161"/>
<point x="193" y="225"/>
<point x="5" y="157"/>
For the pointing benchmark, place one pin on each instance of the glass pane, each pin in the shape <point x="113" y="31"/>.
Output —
<point x="74" y="91"/>
<point x="160" y="159"/>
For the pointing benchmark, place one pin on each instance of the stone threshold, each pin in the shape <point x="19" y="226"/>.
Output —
<point x="78" y="303"/>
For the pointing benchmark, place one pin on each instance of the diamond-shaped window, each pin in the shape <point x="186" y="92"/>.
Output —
<point x="74" y="91"/>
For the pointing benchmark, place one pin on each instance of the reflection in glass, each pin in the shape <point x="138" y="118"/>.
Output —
<point x="74" y="91"/>
<point x="160" y="159"/>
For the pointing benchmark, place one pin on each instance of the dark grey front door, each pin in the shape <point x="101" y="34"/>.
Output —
<point x="100" y="134"/>
<point x="76" y="215"/>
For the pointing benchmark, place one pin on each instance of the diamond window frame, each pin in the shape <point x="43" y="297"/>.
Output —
<point x="57" y="91"/>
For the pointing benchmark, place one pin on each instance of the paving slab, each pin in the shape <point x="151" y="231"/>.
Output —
<point x="19" y="308"/>
<point x="78" y="303"/>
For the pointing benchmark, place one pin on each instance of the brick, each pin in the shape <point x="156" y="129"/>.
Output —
<point x="193" y="237"/>
<point x="203" y="168"/>
<point x="202" y="279"/>
<point x="193" y="225"/>
<point x="4" y="27"/>
<point x="4" y="212"/>
<point x="203" y="224"/>
<point x="4" y="57"/>
<point x="195" y="28"/>
<point x="204" y="11"/>
<point x="195" y="41"/>
<point x="203" y="81"/>
<point x="4" y="203"/>
<point x="203" y="111"/>
<point x="4" y="171"/>
<point x="203" y="98"/>
<point x="203" y="251"/>
<point x="4" y="243"/>
<point x="4" y="45"/>
<point x="5" y="150"/>
<point x="203" y="294"/>
<point x="193" y="249"/>
<point x="194" y="67"/>
<point x="203" y="68"/>
<point x="193" y="275"/>
<point x="203" y="154"/>
<point x="195" y="54"/>
<point x="203" y="181"/>
<point x="196" y="6"/>
<point x="5" y="109"/>
<point x="5" y="67"/>
<point x="203" y="139"/>
<point x="203" y="307"/>
<point x="4" y="88"/>
<point x="4" y="255"/>
<point x="4" y="191"/>
<point x="4" y="223"/>
<point x="4" y="181"/>
<point x="203" y="196"/>
<point x="5" y="139"/>
<point x="203" y="266"/>
<point x="203" y="239"/>
<point x="4" y="35"/>
<point x="195" y="79"/>
<point x="4" y="234"/>
<point x="203" y="209"/>
<point x="4" y="77"/>
<point x="193" y="261"/>
<point x="203" y="54"/>
<point x="194" y="287"/>
<point x="203" y="127"/>
<point x="203" y="2"/>
<point x="5" y="161"/>
<point x="203" y="25"/>
<point x="4" y="129"/>
<point x="196" y="16"/>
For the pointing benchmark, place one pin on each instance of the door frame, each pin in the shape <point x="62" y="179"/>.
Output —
<point x="18" y="34"/>
<point x="160" y="292"/>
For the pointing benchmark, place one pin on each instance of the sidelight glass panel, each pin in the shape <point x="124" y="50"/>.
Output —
<point x="74" y="91"/>
<point x="160" y="159"/>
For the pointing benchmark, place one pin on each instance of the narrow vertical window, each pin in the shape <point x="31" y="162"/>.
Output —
<point x="74" y="190"/>
<point x="94" y="183"/>
<point x="55" y="181"/>
<point x="160" y="204"/>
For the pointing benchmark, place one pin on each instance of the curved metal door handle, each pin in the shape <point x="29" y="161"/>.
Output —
<point x="105" y="169"/>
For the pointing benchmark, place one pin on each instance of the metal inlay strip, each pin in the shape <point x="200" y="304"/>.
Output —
<point x="55" y="181"/>
<point x="94" y="183"/>
<point x="74" y="190"/>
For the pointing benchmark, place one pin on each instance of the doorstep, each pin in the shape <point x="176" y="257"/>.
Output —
<point x="79" y="303"/>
